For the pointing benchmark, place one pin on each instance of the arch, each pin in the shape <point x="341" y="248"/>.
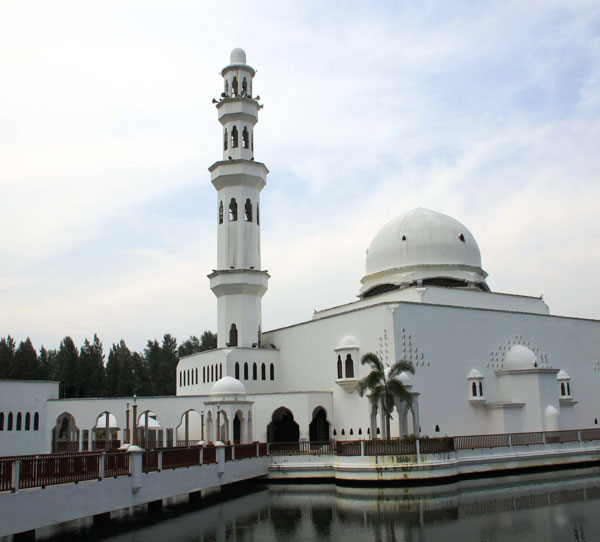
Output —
<point x="263" y="372"/>
<point x="246" y="371"/>
<point x="360" y="431"/>
<point x="65" y="434"/>
<point x="238" y="424"/>
<point x="234" y="86"/>
<point x="272" y="372"/>
<point x="568" y="388"/>
<point x="282" y="427"/>
<point x="244" y="86"/>
<point x="189" y="430"/>
<point x="340" y="371"/>
<point x="9" y="424"/>
<point x="220" y="370"/>
<point x="318" y="430"/>
<point x="245" y="138"/>
<point x="226" y="87"/>
<point x="237" y="370"/>
<point x="233" y="335"/>
<point x="1" y="421"/>
<point x="254" y="372"/>
<point x="221" y="212"/>
<point x="149" y="430"/>
<point x="248" y="211"/>
<point x="474" y="389"/>
<point x="234" y="137"/>
<point x="180" y="384"/>
<point x="563" y="390"/>
<point x="343" y="431"/>
<point x="349" y="367"/>
<point x="212" y="373"/>
<point x="480" y="389"/>
<point x="196" y="375"/>
<point x="36" y="421"/>
<point x="209" y="426"/>
<point x="225" y="139"/>
<point x="351" y="431"/>
<point x="28" y="421"/>
<point x="257" y="214"/>
<point x="105" y="432"/>
<point x="19" y="421"/>
<point x="232" y="210"/>
<point x="204" y="375"/>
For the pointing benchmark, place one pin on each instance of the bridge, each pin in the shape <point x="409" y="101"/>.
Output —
<point x="64" y="487"/>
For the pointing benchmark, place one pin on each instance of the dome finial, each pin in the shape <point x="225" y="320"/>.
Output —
<point x="238" y="56"/>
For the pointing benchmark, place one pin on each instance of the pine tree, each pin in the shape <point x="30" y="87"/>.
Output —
<point x="141" y="373"/>
<point x="7" y="357"/>
<point x="26" y="362"/>
<point x="68" y="363"/>
<point x="91" y="359"/>
<point x="112" y="372"/>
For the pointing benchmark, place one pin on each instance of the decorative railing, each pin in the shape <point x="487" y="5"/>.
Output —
<point x="302" y="448"/>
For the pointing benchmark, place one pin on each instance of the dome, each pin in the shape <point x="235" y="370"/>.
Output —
<point x="562" y="375"/>
<point x="474" y="374"/>
<point x="347" y="343"/>
<point x="228" y="386"/>
<point x="238" y="56"/>
<point x="519" y="357"/>
<point x="423" y="247"/>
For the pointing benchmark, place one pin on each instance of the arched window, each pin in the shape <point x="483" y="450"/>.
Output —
<point x="349" y="367"/>
<point x="232" y="210"/>
<point x="563" y="390"/>
<point x="233" y="335"/>
<point x="360" y="431"/>
<point x="234" y="86"/>
<point x="339" y="367"/>
<point x="246" y="371"/>
<point x="36" y="421"/>
<point x="244" y="87"/>
<point x="480" y="389"/>
<point x="351" y="432"/>
<point x="248" y="211"/>
<point x="254" y="372"/>
<point x="234" y="137"/>
<point x="1" y="421"/>
<point x="27" y="422"/>
<point x="568" y="388"/>
<point x="343" y="432"/>
<point x="19" y="421"/>
<point x="245" y="138"/>
<point x="237" y="370"/>
<point x="263" y="372"/>
<point x="334" y="432"/>
<point x="180" y="379"/>
<point x="226" y="87"/>
<point x="10" y="422"/>
<point x="272" y="371"/>
<point x="474" y="389"/>
<point x="257" y="215"/>
<point x="204" y="375"/>
<point x="225" y="138"/>
<point x="220" y="370"/>
<point x="212" y="373"/>
<point x="196" y="375"/>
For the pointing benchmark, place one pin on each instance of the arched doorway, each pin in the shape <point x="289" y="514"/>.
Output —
<point x="318" y="430"/>
<point x="238" y="423"/>
<point x="65" y="435"/>
<point x="149" y="431"/>
<point x="283" y="428"/>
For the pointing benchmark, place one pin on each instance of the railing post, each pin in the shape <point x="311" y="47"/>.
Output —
<point x="510" y="440"/>
<point x="220" y="455"/>
<point x="233" y="452"/>
<point x="418" y="450"/>
<point x="578" y="435"/>
<point x="16" y="476"/>
<point x="160" y="461"/>
<point x="136" y="467"/>
<point x="202" y="456"/>
<point x="258" y="449"/>
<point x="102" y="466"/>
<point x="362" y="447"/>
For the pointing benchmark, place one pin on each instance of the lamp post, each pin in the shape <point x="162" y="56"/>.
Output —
<point x="127" y="429"/>
<point x="218" y="423"/>
<point x="134" y="424"/>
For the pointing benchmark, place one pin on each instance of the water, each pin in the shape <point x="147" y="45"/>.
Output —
<point x="534" y="508"/>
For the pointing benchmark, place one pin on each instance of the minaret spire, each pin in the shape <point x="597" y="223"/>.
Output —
<point x="238" y="282"/>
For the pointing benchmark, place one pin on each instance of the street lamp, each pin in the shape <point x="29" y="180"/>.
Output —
<point x="134" y="435"/>
<point x="218" y="423"/>
<point x="202" y="426"/>
<point x="127" y="427"/>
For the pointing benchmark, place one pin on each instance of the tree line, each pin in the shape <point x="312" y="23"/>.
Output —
<point x="86" y="372"/>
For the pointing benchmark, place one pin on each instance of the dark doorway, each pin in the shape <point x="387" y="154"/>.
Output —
<point x="237" y="430"/>
<point x="318" y="430"/>
<point x="283" y="428"/>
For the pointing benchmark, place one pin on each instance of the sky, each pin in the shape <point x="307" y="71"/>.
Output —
<point x="486" y="111"/>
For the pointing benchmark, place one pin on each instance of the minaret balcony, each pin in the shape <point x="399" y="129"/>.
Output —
<point x="243" y="109"/>
<point x="238" y="173"/>
<point x="239" y="281"/>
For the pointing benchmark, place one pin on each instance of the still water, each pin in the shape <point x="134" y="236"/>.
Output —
<point x="534" y="508"/>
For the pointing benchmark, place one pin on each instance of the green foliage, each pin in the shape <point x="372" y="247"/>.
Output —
<point x="68" y="363"/>
<point x="91" y="362"/>
<point x="26" y="364"/>
<point x="7" y="357"/>
<point x="383" y="385"/>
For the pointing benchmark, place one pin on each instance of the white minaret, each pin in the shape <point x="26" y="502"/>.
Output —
<point x="238" y="281"/>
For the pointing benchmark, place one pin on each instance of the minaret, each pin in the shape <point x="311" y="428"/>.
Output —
<point x="238" y="281"/>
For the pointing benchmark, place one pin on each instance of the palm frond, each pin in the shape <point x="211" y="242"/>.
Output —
<point x="402" y="366"/>
<point x="373" y="360"/>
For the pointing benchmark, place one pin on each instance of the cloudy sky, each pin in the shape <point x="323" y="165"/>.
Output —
<point x="487" y="111"/>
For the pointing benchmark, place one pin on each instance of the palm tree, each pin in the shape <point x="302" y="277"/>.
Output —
<point x="383" y="385"/>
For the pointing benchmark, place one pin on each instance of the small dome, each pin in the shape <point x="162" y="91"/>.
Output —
<point x="228" y="386"/>
<point x="423" y="245"/>
<point x="101" y="421"/>
<point x="562" y="375"/>
<point x="347" y="343"/>
<point x="475" y="374"/>
<point x="152" y="422"/>
<point x="519" y="357"/>
<point x="238" y="56"/>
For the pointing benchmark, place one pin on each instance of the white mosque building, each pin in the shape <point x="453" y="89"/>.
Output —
<point x="484" y="362"/>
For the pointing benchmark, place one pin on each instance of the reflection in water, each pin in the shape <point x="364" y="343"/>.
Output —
<point x="516" y="509"/>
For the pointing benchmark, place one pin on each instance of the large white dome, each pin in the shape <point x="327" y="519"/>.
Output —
<point x="423" y="246"/>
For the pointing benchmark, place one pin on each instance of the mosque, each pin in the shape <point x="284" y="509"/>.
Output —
<point x="485" y="362"/>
